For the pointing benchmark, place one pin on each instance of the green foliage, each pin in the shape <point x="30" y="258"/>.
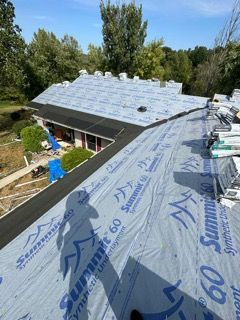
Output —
<point x="18" y="126"/>
<point x="123" y="35"/>
<point x="51" y="60"/>
<point x="198" y="55"/>
<point x="12" y="54"/>
<point x="28" y="155"/>
<point x="231" y="69"/>
<point x="178" y="67"/>
<point x="149" y="61"/>
<point x="96" y="60"/>
<point x="32" y="137"/>
<point x="74" y="157"/>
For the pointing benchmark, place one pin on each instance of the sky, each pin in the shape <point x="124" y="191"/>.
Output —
<point x="182" y="24"/>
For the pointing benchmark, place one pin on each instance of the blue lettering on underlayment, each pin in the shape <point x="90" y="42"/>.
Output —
<point x="38" y="240"/>
<point x="183" y="214"/>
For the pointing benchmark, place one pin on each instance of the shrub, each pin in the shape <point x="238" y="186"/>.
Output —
<point x="32" y="137"/>
<point x="18" y="126"/>
<point x="74" y="157"/>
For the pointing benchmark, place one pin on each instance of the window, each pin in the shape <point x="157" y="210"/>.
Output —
<point x="91" y="142"/>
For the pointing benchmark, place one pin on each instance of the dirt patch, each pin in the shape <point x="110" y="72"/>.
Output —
<point x="11" y="158"/>
<point x="21" y="193"/>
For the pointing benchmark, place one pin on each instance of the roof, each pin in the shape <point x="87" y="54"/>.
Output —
<point x="90" y="123"/>
<point x="233" y="100"/>
<point x="142" y="232"/>
<point x="115" y="99"/>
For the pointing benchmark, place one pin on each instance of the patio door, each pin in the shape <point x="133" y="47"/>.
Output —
<point x="91" y="142"/>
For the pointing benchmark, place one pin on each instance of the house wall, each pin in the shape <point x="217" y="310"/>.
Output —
<point x="40" y="122"/>
<point x="79" y="142"/>
<point x="78" y="138"/>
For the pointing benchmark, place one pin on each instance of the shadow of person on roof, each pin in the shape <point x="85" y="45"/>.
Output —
<point x="83" y="261"/>
<point x="155" y="298"/>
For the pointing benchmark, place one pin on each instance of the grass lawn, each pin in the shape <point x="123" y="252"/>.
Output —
<point x="8" y="106"/>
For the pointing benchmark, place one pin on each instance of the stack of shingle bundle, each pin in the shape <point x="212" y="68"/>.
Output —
<point x="223" y="111"/>
<point x="224" y="141"/>
<point x="229" y="181"/>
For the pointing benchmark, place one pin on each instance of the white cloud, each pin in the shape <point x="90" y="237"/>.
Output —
<point x="209" y="7"/>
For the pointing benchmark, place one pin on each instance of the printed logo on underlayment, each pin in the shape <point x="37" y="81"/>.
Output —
<point x="87" y="191"/>
<point x="74" y="259"/>
<point x="131" y="193"/>
<point x="177" y="306"/>
<point x="190" y="165"/>
<point x="114" y="166"/>
<point x="182" y="212"/>
<point x="42" y="235"/>
<point x="150" y="164"/>
<point x="33" y="237"/>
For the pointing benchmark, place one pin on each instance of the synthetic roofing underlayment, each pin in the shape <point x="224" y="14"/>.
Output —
<point x="119" y="100"/>
<point x="152" y="239"/>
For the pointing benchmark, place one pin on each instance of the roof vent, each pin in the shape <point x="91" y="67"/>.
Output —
<point x="171" y="81"/>
<point x="83" y="72"/>
<point x="66" y="83"/>
<point x="98" y="74"/>
<point x="142" y="109"/>
<point x="155" y="80"/>
<point x="135" y="78"/>
<point x="123" y="76"/>
<point x="108" y="74"/>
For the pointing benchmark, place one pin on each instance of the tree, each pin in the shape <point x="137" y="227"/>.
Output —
<point x="32" y="137"/>
<point x="231" y="68"/>
<point x="210" y="73"/>
<point x="149" y="61"/>
<point x="96" y="60"/>
<point x="198" y="55"/>
<point x="123" y="35"/>
<point x="178" y="67"/>
<point x="51" y="60"/>
<point x="12" y="54"/>
<point x="19" y="125"/>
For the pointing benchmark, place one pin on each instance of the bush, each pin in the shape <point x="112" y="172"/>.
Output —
<point x="18" y="126"/>
<point x="74" y="157"/>
<point x="32" y="137"/>
<point x="28" y="155"/>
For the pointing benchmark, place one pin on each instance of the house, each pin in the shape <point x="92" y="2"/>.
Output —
<point x="92" y="110"/>
<point x="135" y="227"/>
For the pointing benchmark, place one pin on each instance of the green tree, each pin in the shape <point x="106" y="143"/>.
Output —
<point x="198" y="55"/>
<point x="51" y="60"/>
<point x="96" y="60"/>
<point x="178" y="67"/>
<point x="123" y="35"/>
<point x="149" y="61"/>
<point x="32" y="137"/>
<point x="19" y="125"/>
<point x="231" y="69"/>
<point x="12" y="53"/>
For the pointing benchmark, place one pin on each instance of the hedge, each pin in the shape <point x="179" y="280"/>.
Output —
<point x="74" y="157"/>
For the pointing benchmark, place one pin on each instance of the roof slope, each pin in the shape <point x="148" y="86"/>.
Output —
<point x="119" y="100"/>
<point x="141" y="232"/>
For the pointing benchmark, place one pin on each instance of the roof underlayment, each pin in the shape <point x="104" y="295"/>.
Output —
<point x="152" y="239"/>
<point x="119" y="100"/>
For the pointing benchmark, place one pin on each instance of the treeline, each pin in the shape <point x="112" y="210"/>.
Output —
<point x="28" y="69"/>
